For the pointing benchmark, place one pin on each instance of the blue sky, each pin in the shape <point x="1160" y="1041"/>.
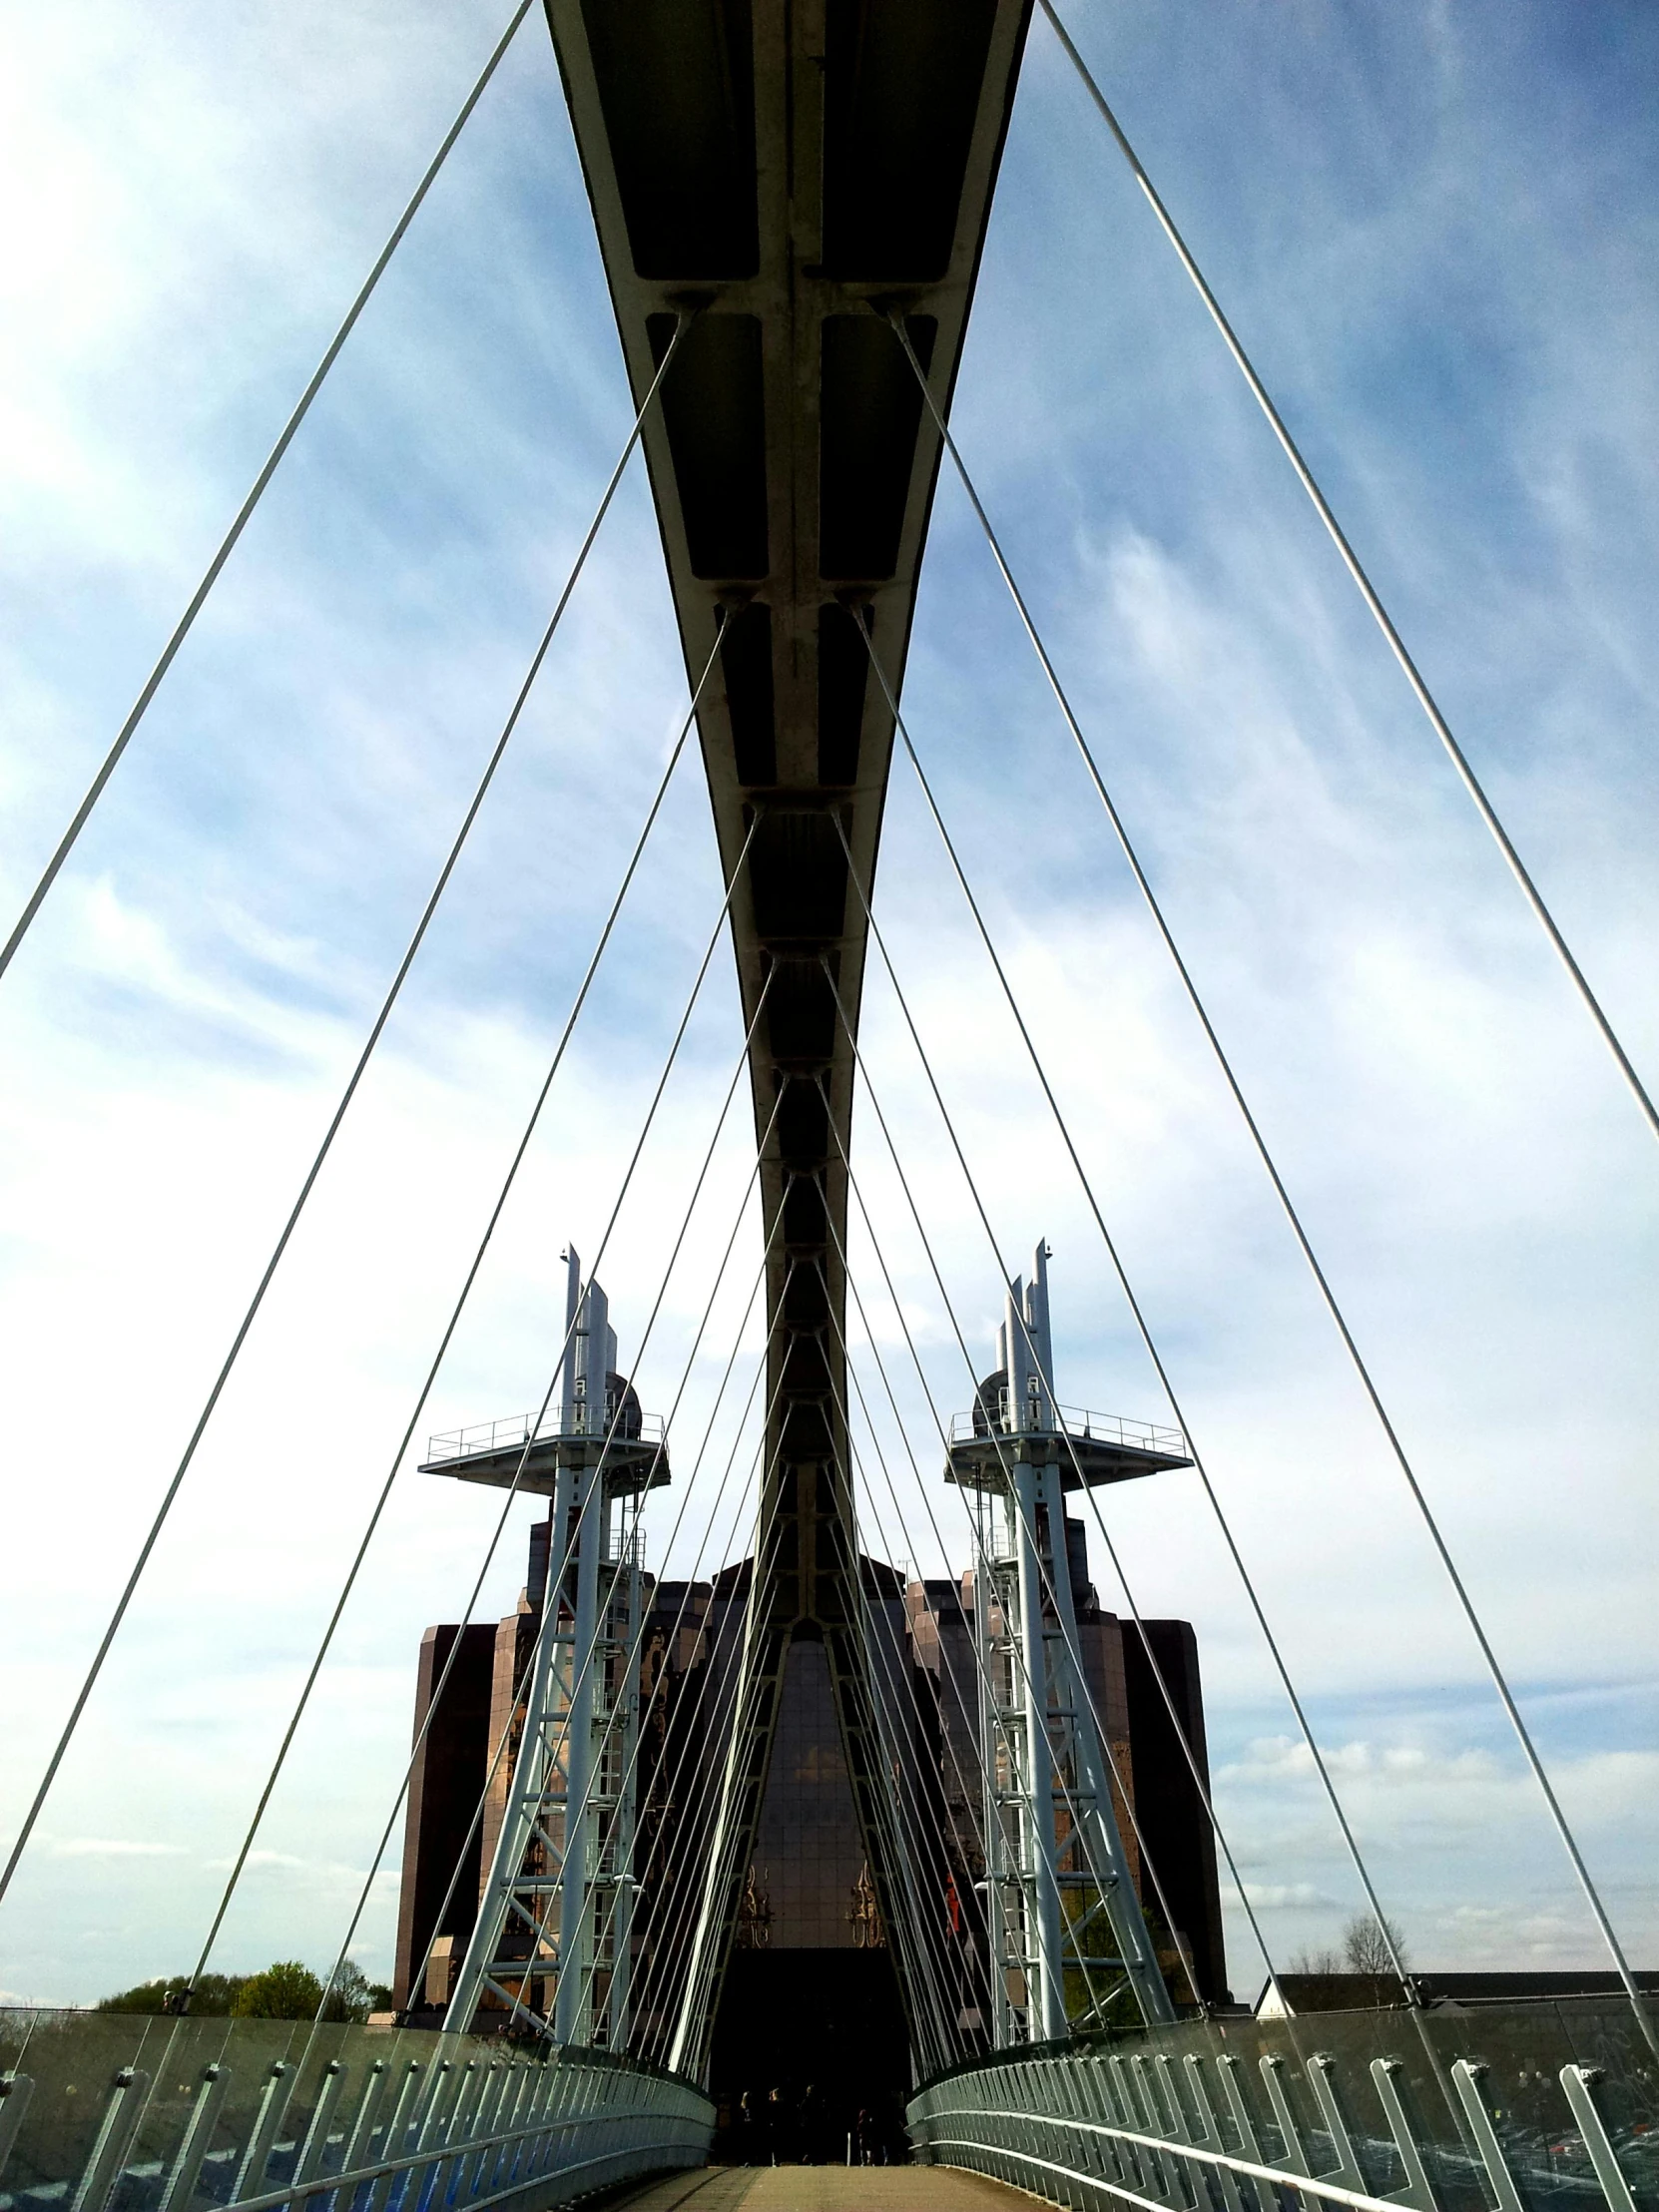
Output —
<point x="1434" y="226"/>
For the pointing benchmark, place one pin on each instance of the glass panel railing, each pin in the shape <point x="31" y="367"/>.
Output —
<point x="131" y="2113"/>
<point x="1465" y="2110"/>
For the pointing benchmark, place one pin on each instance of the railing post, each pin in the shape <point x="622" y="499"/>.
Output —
<point x="397" y="2131"/>
<point x="1231" y="2078"/>
<point x="15" y="2091"/>
<point x="1169" y="2177"/>
<point x="359" y="2138"/>
<point x="1210" y="2135"/>
<point x="415" y="2184"/>
<point x="1347" y="2172"/>
<point x="315" y="2140"/>
<point x="1419" y="2192"/>
<point x="1169" y="2089"/>
<point x="195" y="2141"/>
<point x="1294" y="2159"/>
<point x="1104" y="2110"/>
<point x="1579" y="2083"/>
<point x="1467" y="2076"/>
<point x="461" y="2123"/>
<point x="1124" y="2114"/>
<point x="112" y="2140"/>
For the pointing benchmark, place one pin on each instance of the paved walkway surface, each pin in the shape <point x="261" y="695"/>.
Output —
<point x="823" y="2189"/>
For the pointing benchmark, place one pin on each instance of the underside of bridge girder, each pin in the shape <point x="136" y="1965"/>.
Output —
<point x="789" y="174"/>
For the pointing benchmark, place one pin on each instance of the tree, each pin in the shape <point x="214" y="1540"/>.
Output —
<point x="287" y="1991"/>
<point x="213" y="1997"/>
<point x="1366" y="1947"/>
<point x="354" y="1997"/>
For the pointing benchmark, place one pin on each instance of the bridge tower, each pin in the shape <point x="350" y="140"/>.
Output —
<point x="553" y="1938"/>
<point x="1058" y="1888"/>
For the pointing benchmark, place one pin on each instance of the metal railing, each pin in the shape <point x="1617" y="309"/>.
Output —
<point x="518" y="1430"/>
<point x="1534" y="2108"/>
<point x="117" y="2113"/>
<point x="1086" y="1427"/>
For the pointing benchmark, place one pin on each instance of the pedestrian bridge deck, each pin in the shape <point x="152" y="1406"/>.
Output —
<point x="823" y="2189"/>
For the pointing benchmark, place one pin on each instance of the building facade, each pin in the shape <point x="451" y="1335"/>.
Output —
<point x="808" y="1918"/>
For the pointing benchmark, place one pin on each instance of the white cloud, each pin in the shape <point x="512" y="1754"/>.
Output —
<point x="1470" y="366"/>
<point x="108" y="1847"/>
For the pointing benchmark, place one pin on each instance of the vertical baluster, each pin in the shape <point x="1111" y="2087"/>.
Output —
<point x="1322" y="2079"/>
<point x="1095" y="2145"/>
<point x="274" y="2102"/>
<point x="359" y="2136"/>
<point x="1169" y="2089"/>
<point x="517" y="2109"/>
<point x="314" y="2146"/>
<point x="112" y="2140"/>
<point x="15" y="2092"/>
<point x="1224" y="2180"/>
<point x="1090" y="2145"/>
<point x="1147" y="2178"/>
<point x="413" y="2185"/>
<point x="1294" y="2159"/>
<point x="546" y="2112"/>
<point x="1467" y="2075"/>
<point x="395" y="2138"/>
<point x="1579" y="2083"/>
<point x="1031" y="2103"/>
<point x="459" y="2128"/>
<point x="1169" y="2174"/>
<point x="1250" y="2143"/>
<point x="1419" y="2192"/>
<point x="196" y="2141"/>
<point x="486" y="2122"/>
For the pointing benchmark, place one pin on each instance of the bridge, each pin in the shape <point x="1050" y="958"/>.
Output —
<point x="791" y="203"/>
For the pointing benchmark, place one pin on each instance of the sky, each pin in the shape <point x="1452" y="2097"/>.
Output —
<point x="1434" y="226"/>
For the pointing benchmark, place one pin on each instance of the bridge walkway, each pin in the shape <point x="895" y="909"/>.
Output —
<point x="822" y="2189"/>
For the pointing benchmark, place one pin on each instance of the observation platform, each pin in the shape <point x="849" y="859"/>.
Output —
<point x="631" y="1449"/>
<point x="1088" y="1448"/>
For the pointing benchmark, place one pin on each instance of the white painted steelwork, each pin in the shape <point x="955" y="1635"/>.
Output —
<point x="1046" y="1890"/>
<point x="1173" y="2129"/>
<point x="547" y="1942"/>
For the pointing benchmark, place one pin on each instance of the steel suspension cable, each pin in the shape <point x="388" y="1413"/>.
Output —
<point x="418" y="1976"/>
<point x="1433" y="2058"/>
<point x="228" y="543"/>
<point x="329" y="1134"/>
<point x="724" y="1839"/>
<point x="946" y="1668"/>
<point x="556" y="1579"/>
<point x="1368" y="592"/>
<point x="1201" y="1787"/>
<point x="1060" y="1782"/>
<point x="1094" y="2001"/>
<point x="452" y="1324"/>
<point x="903" y="1764"/>
<point x="1144" y="1329"/>
<point x="553" y="1384"/>
<point x="708" y="1534"/>
<point x="933" y="1266"/>
<point x="982" y="1568"/>
<point x="1328" y="1295"/>
<point x="925" y="1963"/>
<point x="419" y="1972"/>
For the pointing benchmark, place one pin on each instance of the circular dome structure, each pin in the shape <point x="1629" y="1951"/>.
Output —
<point x="619" y="1391"/>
